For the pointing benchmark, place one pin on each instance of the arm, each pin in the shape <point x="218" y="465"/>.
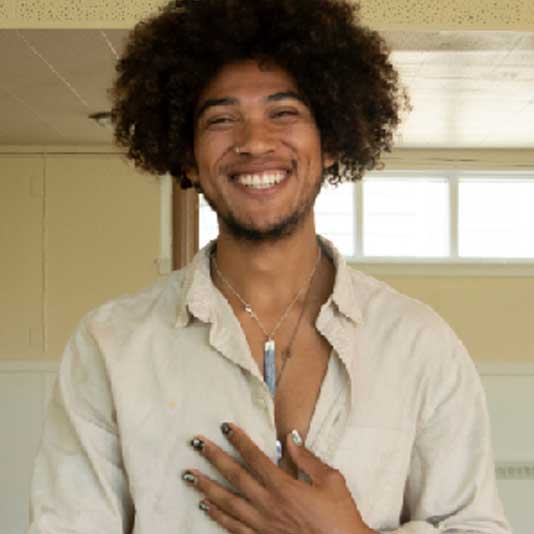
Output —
<point x="451" y="486"/>
<point x="79" y="484"/>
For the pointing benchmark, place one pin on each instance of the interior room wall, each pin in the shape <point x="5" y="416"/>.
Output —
<point x="75" y="231"/>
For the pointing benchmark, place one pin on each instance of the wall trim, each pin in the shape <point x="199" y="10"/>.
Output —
<point x="29" y="366"/>
<point x="400" y="159"/>
<point x="445" y="267"/>
<point x="459" y="159"/>
<point x="505" y="368"/>
<point x="100" y="149"/>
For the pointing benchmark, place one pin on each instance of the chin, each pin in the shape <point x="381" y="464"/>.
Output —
<point x="269" y="233"/>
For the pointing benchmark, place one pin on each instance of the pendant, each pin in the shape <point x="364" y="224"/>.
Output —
<point x="269" y="369"/>
<point x="278" y="451"/>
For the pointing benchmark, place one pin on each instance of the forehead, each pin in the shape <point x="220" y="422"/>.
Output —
<point x="247" y="80"/>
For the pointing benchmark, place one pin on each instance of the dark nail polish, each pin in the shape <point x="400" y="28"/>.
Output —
<point x="226" y="429"/>
<point x="197" y="444"/>
<point x="203" y="506"/>
<point x="189" y="478"/>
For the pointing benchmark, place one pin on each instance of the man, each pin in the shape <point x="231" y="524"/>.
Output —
<point x="282" y="390"/>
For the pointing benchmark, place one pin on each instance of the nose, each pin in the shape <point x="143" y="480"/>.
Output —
<point x="255" y="138"/>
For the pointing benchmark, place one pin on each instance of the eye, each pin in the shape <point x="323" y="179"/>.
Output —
<point x="283" y="113"/>
<point x="219" y="120"/>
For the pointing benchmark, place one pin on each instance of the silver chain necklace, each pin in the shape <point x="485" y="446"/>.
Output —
<point x="269" y="347"/>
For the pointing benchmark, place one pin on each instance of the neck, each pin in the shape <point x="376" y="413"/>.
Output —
<point x="267" y="275"/>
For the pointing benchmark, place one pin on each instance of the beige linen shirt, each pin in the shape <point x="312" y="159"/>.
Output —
<point x="401" y="412"/>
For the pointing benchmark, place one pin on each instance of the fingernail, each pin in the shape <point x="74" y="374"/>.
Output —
<point x="203" y="506"/>
<point x="295" y="436"/>
<point x="189" y="478"/>
<point x="197" y="444"/>
<point x="226" y="429"/>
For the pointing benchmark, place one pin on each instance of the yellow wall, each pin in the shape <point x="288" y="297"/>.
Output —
<point x="78" y="230"/>
<point x="75" y="231"/>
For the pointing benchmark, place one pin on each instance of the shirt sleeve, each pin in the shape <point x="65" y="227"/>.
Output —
<point x="79" y="482"/>
<point x="451" y="488"/>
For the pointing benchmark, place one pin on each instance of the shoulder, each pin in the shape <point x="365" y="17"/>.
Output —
<point x="406" y="338"/>
<point x="411" y="331"/>
<point x="379" y="301"/>
<point x="153" y="304"/>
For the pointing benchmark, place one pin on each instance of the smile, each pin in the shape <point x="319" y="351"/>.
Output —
<point x="261" y="180"/>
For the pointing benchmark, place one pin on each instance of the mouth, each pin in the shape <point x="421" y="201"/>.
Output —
<point x="261" y="180"/>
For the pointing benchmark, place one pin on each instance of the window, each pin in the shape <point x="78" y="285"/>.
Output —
<point x="496" y="218"/>
<point x="207" y="222"/>
<point x="424" y="217"/>
<point x="334" y="216"/>
<point x="406" y="217"/>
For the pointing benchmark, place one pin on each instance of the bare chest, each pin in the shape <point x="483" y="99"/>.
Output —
<point x="300" y="378"/>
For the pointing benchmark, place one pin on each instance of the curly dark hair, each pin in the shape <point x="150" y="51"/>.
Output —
<point x="341" y="67"/>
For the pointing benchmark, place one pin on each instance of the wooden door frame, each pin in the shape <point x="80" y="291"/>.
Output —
<point x="184" y="225"/>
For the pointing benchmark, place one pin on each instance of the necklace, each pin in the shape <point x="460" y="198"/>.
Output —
<point x="269" y="347"/>
<point x="286" y="354"/>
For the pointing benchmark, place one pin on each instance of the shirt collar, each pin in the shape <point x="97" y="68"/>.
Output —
<point x="343" y="294"/>
<point x="197" y="289"/>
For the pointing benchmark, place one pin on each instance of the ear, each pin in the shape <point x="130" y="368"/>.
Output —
<point x="192" y="175"/>
<point x="328" y="160"/>
<point x="190" y="168"/>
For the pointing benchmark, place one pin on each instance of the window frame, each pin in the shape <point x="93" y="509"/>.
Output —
<point x="442" y="266"/>
<point x="451" y="265"/>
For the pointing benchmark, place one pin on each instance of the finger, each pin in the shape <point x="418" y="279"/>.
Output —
<point x="226" y="521"/>
<point x="233" y="472"/>
<point x="305" y="460"/>
<point x="226" y="501"/>
<point x="265" y="470"/>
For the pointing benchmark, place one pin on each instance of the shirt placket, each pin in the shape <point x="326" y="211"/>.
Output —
<point x="334" y="403"/>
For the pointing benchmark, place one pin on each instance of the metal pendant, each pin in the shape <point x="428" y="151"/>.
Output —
<point x="279" y="451"/>
<point x="269" y="369"/>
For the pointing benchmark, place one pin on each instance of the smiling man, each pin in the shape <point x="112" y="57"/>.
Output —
<point x="266" y="388"/>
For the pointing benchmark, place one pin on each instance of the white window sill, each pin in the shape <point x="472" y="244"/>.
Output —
<point x="443" y="267"/>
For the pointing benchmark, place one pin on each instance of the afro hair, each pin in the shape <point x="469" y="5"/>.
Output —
<point x="341" y="67"/>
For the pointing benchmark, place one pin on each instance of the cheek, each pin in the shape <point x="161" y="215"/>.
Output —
<point x="307" y="140"/>
<point x="208" y="153"/>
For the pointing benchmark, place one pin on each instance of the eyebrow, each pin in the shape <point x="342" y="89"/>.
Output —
<point x="230" y="101"/>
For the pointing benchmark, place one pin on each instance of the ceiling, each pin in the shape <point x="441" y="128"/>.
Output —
<point x="468" y="89"/>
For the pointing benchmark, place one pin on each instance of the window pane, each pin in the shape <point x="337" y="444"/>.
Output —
<point x="207" y="223"/>
<point x="334" y="216"/>
<point x="496" y="218"/>
<point x="406" y="217"/>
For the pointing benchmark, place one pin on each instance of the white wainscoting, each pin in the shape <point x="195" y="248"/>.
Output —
<point x="25" y="388"/>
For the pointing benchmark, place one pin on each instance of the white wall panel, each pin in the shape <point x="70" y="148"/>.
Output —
<point x="21" y="415"/>
<point x="511" y="406"/>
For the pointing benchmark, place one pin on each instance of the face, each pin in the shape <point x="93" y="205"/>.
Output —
<point x="257" y="150"/>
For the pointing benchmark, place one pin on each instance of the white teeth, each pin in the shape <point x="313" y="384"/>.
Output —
<point x="261" y="180"/>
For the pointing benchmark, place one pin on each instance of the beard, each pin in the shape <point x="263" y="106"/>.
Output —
<point x="278" y="230"/>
